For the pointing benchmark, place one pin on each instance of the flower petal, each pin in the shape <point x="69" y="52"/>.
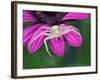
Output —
<point x="73" y="39"/>
<point x="28" y="32"/>
<point x="34" y="45"/>
<point x="28" y="16"/>
<point x="57" y="45"/>
<point x="75" y="16"/>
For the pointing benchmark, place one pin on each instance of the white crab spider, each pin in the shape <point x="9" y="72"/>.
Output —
<point x="54" y="32"/>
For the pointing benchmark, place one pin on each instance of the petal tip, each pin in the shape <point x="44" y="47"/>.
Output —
<point x="78" y="44"/>
<point x="60" y="55"/>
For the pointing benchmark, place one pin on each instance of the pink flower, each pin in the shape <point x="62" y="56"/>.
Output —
<point x="44" y="29"/>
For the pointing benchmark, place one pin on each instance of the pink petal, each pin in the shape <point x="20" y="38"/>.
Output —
<point x="73" y="39"/>
<point x="28" y="32"/>
<point x="34" y="45"/>
<point x="28" y="16"/>
<point x="57" y="45"/>
<point x="75" y="16"/>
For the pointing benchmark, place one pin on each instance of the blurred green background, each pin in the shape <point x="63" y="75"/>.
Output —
<point x="73" y="56"/>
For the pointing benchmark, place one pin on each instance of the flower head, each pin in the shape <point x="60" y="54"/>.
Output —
<point x="51" y="27"/>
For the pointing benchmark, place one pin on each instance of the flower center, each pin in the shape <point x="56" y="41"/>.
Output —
<point x="55" y="31"/>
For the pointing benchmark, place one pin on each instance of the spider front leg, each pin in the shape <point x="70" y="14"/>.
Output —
<point x="44" y="33"/>
<point x="46" y="46"/>
<point x="69" y="30"/>
<point x="66" y="31"/>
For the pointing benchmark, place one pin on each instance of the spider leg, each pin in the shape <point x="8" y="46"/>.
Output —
<point x="74" y="28"/>
<point x="77" y="33"/>
<point x="64" y="28"/>
<point x="41" y="34"/>
<point x="67" y="31"/>
<point x="46" y="46"/>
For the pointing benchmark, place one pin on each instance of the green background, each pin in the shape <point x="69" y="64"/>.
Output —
<point x="73" y="56"/>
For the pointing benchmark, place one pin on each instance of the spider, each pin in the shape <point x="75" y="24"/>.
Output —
<point x="55" y="31"/>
